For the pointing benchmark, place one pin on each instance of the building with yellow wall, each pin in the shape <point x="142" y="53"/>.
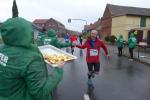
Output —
<point x="123" y="24"/>
<point x="122" y="20"/>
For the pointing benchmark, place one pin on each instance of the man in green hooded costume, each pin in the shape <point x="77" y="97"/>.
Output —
<point x="52" y="39"/>
<point x="23" y="72"/>
<point x="41" y="37"/>
<point x="120" y="43"/>
<point x="132" y="44"/>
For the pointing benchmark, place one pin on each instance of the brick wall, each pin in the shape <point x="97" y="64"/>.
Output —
<point x="106" y="22"/>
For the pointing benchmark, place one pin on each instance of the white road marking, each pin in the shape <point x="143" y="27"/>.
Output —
<point x="86" y="97"/>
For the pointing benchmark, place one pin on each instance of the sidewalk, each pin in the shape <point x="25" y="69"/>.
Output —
<point x="143" y="57"/>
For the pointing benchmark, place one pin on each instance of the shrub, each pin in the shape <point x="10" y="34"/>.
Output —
<point x="107" y="38"/>
<point x="112" y="39"/>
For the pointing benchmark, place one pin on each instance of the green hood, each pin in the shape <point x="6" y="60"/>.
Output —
<point x="120" y="41"/>
<point x="41" y="34"/>
<point x="132" y="35"/>
<point x="17" y="32"/>
<point x="51" y="33"/>
<point x="132" y="41"/>
<point x="120" y="36"/>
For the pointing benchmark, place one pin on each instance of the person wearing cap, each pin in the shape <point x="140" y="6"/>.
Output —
<point x="23" y="72"/>
<point x="93" y="45"/>
<point x="120" y="42"/>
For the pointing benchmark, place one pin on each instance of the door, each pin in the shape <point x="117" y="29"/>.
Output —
<point x="139" y="36"/>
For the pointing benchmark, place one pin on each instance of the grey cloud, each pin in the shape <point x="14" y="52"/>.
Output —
<point x="61" y="10"/>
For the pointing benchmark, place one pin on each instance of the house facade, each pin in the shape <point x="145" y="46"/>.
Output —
<point x="51" y="23"/>
<point x="122" y="19"/>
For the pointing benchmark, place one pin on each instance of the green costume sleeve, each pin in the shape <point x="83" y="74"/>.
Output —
<point x="59" y="44"/>
<point x="39" y="83"/>
<point x="129" y="40"/>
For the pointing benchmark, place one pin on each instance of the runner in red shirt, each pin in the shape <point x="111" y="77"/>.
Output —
<point x="93" y="45"/>
<point x="73" y="39"/>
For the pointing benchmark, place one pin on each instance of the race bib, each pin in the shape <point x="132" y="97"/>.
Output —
<point x="93" y="52"/>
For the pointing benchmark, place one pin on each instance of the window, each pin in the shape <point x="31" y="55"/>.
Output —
<point x="143" y="21"/>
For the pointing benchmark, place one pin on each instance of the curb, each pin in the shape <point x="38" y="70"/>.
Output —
<point x="146" y="63"/>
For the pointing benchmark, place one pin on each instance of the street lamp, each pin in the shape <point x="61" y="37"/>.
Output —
<point x="69" y="20"/>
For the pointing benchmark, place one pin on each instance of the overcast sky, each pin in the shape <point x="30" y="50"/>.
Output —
<point x="61" y="10"/>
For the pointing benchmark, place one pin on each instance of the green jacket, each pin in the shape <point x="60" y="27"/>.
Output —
<point x="23" y="72"/>
<point x="132" y="41"/>
<point x="120" y="41"/>
<point x="53" y="40"/>
<point x="40" y="39"/>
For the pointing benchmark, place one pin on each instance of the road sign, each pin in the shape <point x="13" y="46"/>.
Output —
<point x="69" y="20"/>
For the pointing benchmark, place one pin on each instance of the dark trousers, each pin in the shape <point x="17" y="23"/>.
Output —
<point x="72" y="49"/>
<point x="131" y="52"/>
<point x="93" y="67"/>
<point x="81" y="52"/>
<point x="120" y="51"/>
<point x="80" y="42"/>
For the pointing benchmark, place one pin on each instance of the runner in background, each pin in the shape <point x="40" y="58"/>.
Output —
<point x="66" y="39"/>
<point x="80" y="41"/>
<point x="73" y="39"/>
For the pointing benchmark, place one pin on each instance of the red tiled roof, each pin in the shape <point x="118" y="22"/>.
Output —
<point x="57" y="22"/>
<point x="92" y="26"/>
<point x="40" y="21"/>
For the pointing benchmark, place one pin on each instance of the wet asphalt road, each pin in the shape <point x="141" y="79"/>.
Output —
<point x="119" y="79"/>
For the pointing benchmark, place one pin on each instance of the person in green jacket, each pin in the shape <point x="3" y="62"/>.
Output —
<point x="23" y="72"/>
<point x="120" y="43"/>
<point x="41" y="37"/>
<point x="53" y="40"/>
<point x="132" y="44"/>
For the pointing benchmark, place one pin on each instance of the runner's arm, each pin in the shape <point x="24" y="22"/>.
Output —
<point x="104" y="48"/>
<point x="81" y="46"/>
